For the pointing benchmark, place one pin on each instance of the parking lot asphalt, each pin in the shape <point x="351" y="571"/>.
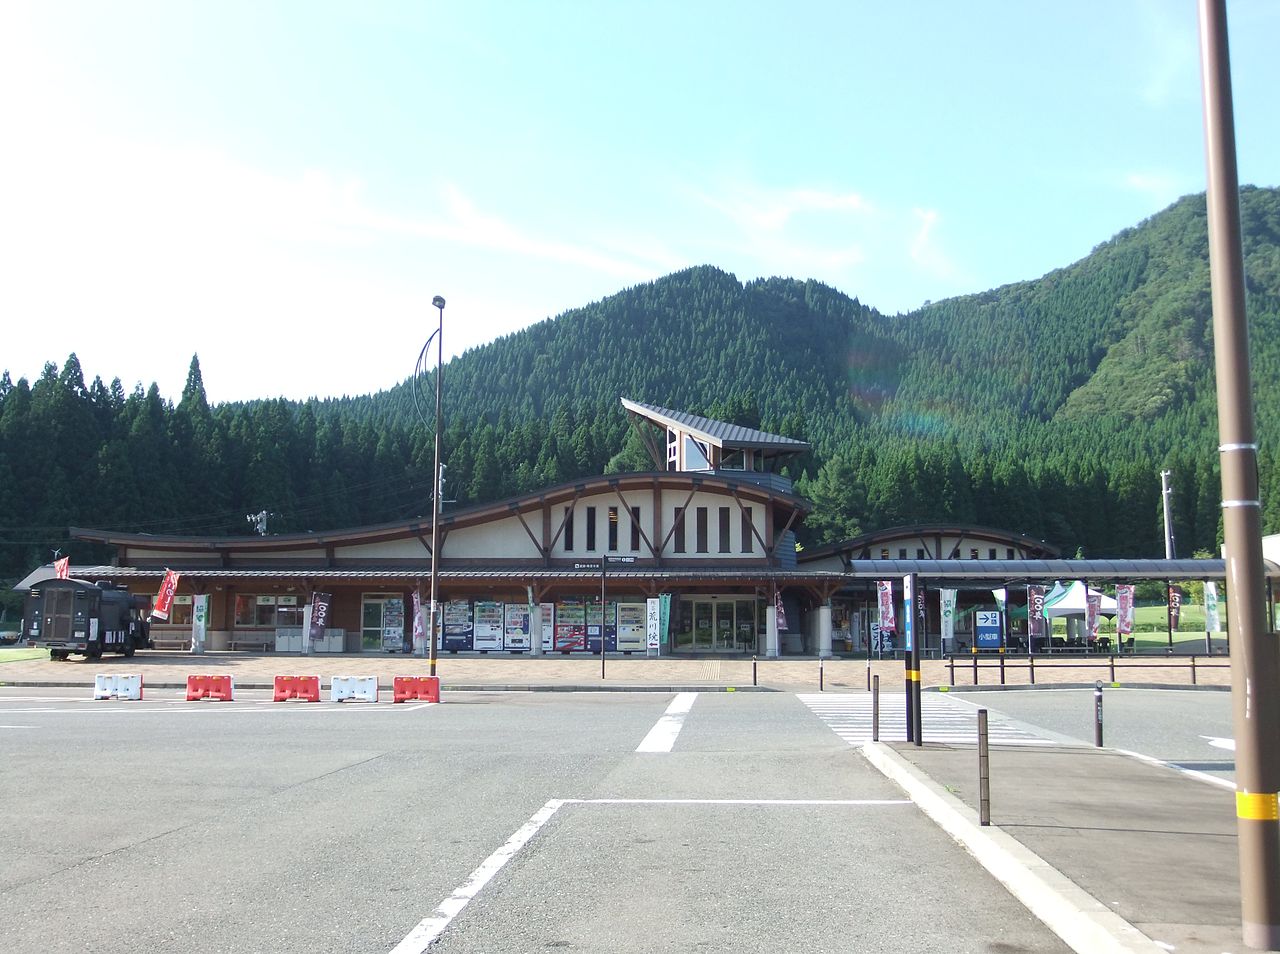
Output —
<point x="1139" y="840"/>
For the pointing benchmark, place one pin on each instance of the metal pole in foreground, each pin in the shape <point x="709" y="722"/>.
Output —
<point x="434" y="637"/>
<point x="1255" y="667"/>
<point x="875" y="708"/>
<point x="984" y="772"/>
<point x="1097" y="713"/>
<point x="603" y="558"/>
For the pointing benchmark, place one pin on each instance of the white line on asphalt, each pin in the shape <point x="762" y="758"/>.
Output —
<point x="428" y="929"/>
<point x="1199" y="776"/>
<point x="17" y="727"/>
<point x="663" y="735"/>
<point x="739" y="801"/>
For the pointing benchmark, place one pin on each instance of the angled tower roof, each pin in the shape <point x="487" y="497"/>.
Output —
<point x="718" y="433"/>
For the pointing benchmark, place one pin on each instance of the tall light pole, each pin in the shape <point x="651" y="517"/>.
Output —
<point x="433" y="636"/>
<point x="1255" y="666"/>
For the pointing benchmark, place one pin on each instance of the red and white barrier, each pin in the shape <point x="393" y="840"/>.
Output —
<point x="218" y="688"/>
<point x="426" y="688"/>
<point x="118" y="686"/>
<point x="354" y="688"/>
<point x="306" y="688"/>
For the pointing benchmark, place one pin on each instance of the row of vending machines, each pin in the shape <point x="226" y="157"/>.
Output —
<point x="573" y="625"/>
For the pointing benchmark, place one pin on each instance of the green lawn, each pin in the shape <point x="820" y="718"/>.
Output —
<point x="17" y="653"/>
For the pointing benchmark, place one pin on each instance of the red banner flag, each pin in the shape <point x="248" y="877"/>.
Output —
<point x="164" y="599"/>
<point x="62" y="569"/>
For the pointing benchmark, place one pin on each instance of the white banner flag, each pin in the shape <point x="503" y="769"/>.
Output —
<point x="947" y="609"/>
<point x="1212" y="621"/>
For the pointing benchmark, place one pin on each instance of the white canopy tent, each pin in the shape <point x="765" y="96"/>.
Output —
<point x="1070" y="601"/>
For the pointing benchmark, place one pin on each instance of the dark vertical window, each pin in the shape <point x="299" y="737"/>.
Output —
<point x="613" y="529"/>
<point x="635" y="528"/>
<point x="568" y="529"/>
<point x="591" y="529"/>
<point x="724" y="530"/>
<point x="677" y="535"/>
<point x="700" y="529"/>
<point x="748" y="531"/>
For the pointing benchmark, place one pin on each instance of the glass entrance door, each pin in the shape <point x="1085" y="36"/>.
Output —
<point x="724" y="626"/>
<point x="703" y="625"/>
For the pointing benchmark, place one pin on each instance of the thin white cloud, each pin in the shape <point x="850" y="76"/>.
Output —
<point x="926" y="253"/>
<point x="1168" y="53"/>
<point x="1161" y="187"/>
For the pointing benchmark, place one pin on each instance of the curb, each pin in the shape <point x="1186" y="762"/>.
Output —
<point x="1086" y="924"/>
<point x="1080" y="685"/>
<point x="444" y="687"/>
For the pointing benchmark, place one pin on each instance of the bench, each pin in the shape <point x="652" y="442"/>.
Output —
<point x="182" y="643"/>
<point x="259" y="641"/>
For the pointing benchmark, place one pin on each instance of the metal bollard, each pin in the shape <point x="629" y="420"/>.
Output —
<point x="875" y="708"/>
<point x="1031" y="665"/>
<point x="975" y="667"/>
<point x="1097" y="713"/>
<point x="984" y="772"/>
<point x="753" y="671"/>
<point x="1113" y="669"/>
<point x="951" y="669"/>
<point x="1002" y="669"/>
<point x="868" y="675"/>
<point x="1193" y="670"/>
<point x="820" y="677"/>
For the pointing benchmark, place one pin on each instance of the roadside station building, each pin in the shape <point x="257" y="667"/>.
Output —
<point x="708" y="535"/>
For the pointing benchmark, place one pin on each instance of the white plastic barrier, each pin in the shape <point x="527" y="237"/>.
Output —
<point x="118" y="685"/>
<point x="359" y="688"/>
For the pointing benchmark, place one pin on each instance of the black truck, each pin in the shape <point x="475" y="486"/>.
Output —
<point x="76" y="616"/>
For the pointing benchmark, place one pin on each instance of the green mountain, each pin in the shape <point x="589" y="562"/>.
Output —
<point x="1047" y="407"/>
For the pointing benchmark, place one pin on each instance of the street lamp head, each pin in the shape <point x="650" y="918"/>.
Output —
<point x="438" y="302"/>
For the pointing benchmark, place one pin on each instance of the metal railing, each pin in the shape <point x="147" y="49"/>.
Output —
<point x="1111" y="662"/>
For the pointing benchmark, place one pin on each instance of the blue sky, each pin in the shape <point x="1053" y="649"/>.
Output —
<point x="283" y="187"/>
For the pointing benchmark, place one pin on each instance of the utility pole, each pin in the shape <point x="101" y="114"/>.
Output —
<point x="1255" y="662"/>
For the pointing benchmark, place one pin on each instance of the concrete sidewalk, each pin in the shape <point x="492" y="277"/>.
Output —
<point x="1152" y="845"/>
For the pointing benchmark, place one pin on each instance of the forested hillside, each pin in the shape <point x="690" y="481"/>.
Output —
<point x="1047" y="407"/>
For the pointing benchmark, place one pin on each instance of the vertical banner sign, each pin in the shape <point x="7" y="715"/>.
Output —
<point x="664" y="621"/>
<point x="199" y="622"/>
<point x="1035" y="611"/>
<point x="419" y="630"/>
<point x="1212" y="622"/>
<point x="885" y="590"/>
<point x="651" y="627"/>
<point x="781" y="613"/>
<point x="947" y="613"/>
<point x="319" y="616"/>
<point x="164" y="599"/>
<point x="908" y="613"/>
<point x="62" y="568"/>
<point x="1092" y="613"/>
<point x="1124" y="609"/>
<point x="1175" y="606"/>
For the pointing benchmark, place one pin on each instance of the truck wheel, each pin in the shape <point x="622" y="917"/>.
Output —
<point x="93" y="653"/>
<point x="128" y="647"/>
<point x="59" y="655"/>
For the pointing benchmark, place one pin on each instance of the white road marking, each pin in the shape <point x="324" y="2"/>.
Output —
<point x="17" y="727"/>
<point x="1200" y="776"/>
<point x="662" y="736"/>
<point x="428" y="929"/>
<point x="1228" y="744"/>
<point x="849" y="716"/>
